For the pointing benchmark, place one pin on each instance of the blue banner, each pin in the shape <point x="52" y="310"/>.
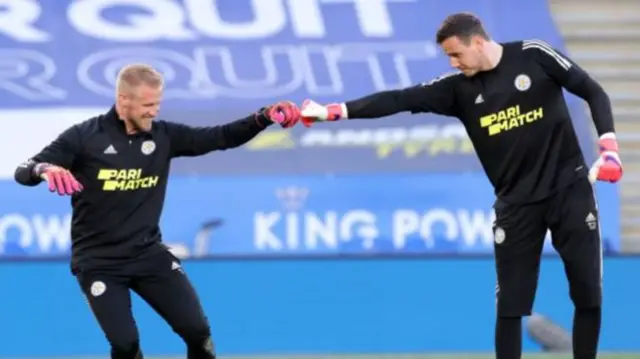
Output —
<point x="357" y="187"/>
<point x="296" y="216"/>
<point x="225" y="59"/>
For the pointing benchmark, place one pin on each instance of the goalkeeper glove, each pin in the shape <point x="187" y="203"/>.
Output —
<point x="313" y="112"/>
<point x="59" y="179"/>
<point x="284" y="113"/>
<point x="608" y="166"/>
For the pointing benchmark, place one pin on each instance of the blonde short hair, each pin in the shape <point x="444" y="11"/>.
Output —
<point x="132" y="76"/>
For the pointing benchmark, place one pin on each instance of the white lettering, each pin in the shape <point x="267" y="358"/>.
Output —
<point x="397" y="55"/>
<point x="15" y="222"/>
<point x="52" y="233"/>
<point x="372" y="16"/>
<point x="321" y="71"/>
<point x="17" y="20"/>
<point x="42" y="234"/>
<point x="386" y="64"/>
<point x="311" y="231"/>
<point x="209" y="73"/>
<point x="438" y="216"/>
<point x="180" y="21"/>
<point x="404" y="223"/>
<point x="98" y="71"/>
<point x="165" y="20"/>
<point x="470" y="228"/>
<point x="267" y="71"/>
<point x="321" y="230"/>
<point x="363" y="223"/>
<point x="263" y="236"/>
<point x="26" y="74"/>
<point x="219" y="73"/>
<point x="317" y="231"/>
<point x="306" y="19"/>
<point x="268" y="20"/>
<point x="291" y="227"/>
<point x="476" y="225"/>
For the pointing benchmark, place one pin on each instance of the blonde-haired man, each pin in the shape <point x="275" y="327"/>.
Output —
<point x="115" y="166"/>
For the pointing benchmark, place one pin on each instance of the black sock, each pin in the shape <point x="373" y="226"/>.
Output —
<point x="508" y="338"/>
<point x="586" y="332"/>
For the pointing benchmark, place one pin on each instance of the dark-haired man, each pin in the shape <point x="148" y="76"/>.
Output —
<point x="509" y="98"/>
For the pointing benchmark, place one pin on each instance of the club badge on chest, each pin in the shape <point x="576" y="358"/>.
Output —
<point x="148" y="147"/>
<point x="522" y="82"/>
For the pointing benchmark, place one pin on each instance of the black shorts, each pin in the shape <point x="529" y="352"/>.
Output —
<point x="160" y="281"/>
<point x="519" y="232"/>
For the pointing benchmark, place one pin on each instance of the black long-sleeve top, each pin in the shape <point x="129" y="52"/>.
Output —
<point x="116" y="216"/>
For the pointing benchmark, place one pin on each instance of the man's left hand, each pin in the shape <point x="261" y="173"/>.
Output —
<point x="608" y="166"/>
<point x="284" y="113"/>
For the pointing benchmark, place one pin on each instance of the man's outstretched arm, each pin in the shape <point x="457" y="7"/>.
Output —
<point x="195" y="141"/>
<point x="437" y="96"/>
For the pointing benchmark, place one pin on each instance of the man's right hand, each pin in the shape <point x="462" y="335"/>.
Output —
<point x="59" y="179"/>
<point x="312" y="112"/>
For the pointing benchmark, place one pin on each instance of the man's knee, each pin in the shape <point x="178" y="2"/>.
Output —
<point x="585" y="282"/>
<point x="197" y="336"/>
<point x="125" y="348"/>
<point x="514" y="302"/>
<point x="195" y="333"/>
<point x="586" y="296"/>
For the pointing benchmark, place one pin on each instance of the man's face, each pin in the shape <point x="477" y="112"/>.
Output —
<point x="464" y="57"/>
<point x="141" y="106"/>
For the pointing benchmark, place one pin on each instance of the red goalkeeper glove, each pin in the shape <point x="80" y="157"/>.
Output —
<point x="608" y="166"/>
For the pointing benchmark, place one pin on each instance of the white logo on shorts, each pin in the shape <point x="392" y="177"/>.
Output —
<point x="208" y="345"/>
<point x="98" y="288"/>
<point x="499" y="235"/>
<point x="591" y="221"/>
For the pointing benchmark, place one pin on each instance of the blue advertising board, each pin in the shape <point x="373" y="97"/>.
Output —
<point x="225" y="59"/>
<point x="296" y="216"/>
<point x="297" y="307"/>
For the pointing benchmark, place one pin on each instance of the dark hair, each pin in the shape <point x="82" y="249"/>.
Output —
<point x="462" y="25"/>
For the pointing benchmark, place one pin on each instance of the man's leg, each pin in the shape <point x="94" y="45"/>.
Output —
<point x="575" y="229"/>
<point x="110" y="302"/>
<point x="164" y="285"/>
<point x="518" y="240"/>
